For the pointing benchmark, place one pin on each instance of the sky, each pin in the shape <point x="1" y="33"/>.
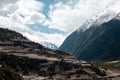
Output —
<point x="49" y="20"/>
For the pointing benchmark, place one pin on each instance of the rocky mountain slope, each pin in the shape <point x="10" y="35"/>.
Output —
<point x="33" y="61"/>
<point x="100" y="41"/>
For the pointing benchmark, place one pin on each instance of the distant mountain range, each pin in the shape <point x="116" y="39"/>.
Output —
<point x="96" y="39"/>
<point x="49" y="45"/>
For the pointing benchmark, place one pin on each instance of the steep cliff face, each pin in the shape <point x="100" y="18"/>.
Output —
<point x="99" y="42"/>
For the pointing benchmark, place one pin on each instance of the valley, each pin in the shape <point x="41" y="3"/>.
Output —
<point x="31" y="59"/>
<point x="36" y="62"/>
<point x="59" y="39"/>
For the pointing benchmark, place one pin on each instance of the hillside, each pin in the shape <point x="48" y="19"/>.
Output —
<point x="7" y="73"/>
<point x="99" y="42"/>
<point x="33" y="61"/>
<point x="7" y="35"/>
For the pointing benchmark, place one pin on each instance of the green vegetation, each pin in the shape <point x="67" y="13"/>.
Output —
<point x="108" y="65"/>
<point x="98" y="71"/>
<point x="23" y="64"/>
<point x="7" y="73"/>
<point x="80" y="71"/>
<point x="6" y="34"/>
<point x="65" y="66"/>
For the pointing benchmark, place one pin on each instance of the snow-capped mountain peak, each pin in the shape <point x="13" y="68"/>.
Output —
<point x="105" y="17"/>
<point x="49" y="45"/>
<point x="111" y="12"/>
<point x="99" y="19"/>
<point x="117" y="16"/>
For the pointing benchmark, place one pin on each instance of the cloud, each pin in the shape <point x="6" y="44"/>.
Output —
<point x="71" y="15"/>
<point x="22" y="13"/>
<point x="26" y="6"/>
<point x="35" y="17"/>
<point x="115" y="6"/>
<point x="36" y="36"/>
<point x="29" y="12"/>
<point x="6" y="2"/>
<point x="8" y="9"/>
<point x="39" y="37"/>
<point x="63" y="15"/>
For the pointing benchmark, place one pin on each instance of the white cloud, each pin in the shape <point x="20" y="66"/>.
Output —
<point x="69" y="16"/>
<point x="28" y="6"/>
<point x="8" y="9"/>
<point x="39" y="37"/>
<point x="30" y="34"/>
<point x="6" y="2"/>
<point x="29" y="12"/>
<point x="115" y="6"/>
<point x="18" y="15"/>
<point x="65" y="16"/>
<point x="35" y="17"/>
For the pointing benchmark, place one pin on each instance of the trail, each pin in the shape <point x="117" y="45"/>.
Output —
<point x="35" y="56"/>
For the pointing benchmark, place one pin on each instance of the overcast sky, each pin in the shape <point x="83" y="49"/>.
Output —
<point x="49" y="20"/>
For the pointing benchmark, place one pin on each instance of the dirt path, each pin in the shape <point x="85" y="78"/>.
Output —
<point x="35" y="56"/>
<point x="115" y="75"/>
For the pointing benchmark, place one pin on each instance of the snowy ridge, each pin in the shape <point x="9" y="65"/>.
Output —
<point x="105" y="17"/>
<point x="49" y="45"/>
<point x="99" y="19"/>
<point x="118" y="16"/>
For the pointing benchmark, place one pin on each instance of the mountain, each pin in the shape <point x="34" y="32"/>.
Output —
<point x="49" y="45"/>
<point x="96" y="39"/>
<point x="35" y="62"/>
